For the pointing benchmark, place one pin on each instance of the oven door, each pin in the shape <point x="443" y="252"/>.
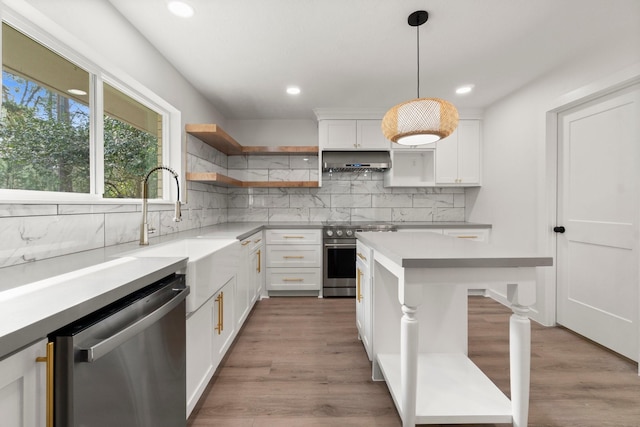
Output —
<point x="339" y="278"/>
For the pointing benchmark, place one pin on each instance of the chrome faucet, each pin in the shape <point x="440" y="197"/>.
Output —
<point x="144" y="227"/>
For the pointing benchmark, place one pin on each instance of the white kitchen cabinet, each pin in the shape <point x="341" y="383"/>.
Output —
<point x="257" y="268"/>
<point x="414" y="168"/>
<point x="457" y="157"/>
<point x="210" y="332"/>
<point x="352" y="135"/>
<point x="364" y="280"/>
<point x="294" y="261"/>
<point x="23" y="387"/>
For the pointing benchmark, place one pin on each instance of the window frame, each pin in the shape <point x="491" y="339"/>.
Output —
<point x="56" y="39"/>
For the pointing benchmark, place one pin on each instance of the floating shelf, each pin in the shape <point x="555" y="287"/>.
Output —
<point x="214" y="136"/>
<point x="220" y="179"/>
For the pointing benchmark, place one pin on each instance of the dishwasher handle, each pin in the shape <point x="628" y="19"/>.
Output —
<point x="102" y="348"/>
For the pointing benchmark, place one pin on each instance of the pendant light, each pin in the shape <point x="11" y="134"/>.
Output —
<point x="421" y="120"/>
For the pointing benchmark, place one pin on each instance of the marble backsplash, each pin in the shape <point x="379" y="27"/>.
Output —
<point x="34" y="231"/>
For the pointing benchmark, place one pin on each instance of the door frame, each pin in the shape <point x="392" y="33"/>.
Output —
<point x="548" y="213"/>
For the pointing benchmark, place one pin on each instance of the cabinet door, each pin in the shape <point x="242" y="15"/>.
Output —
<point x="458" y="156"/>
<point x="337" y="134"/>
<point x="224" y="320"/>
<point x="22" y="388"/>
<point x="447" y="159"/>
<point x="369" y="135"/>
<point x="469" y="152"/>
<point x="258" y="269"/>
<point x="200" y="356"/>
<point x="244" y="284"/>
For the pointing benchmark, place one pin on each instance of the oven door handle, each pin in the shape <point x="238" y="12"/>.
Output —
<point x="339" y="245"/>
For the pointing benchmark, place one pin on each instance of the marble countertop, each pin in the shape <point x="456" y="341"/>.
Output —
<point x="39" y="297"/>
<point x="428" y="250"/>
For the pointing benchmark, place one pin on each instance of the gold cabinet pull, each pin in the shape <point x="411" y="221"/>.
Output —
<point x="259" y="256"/>
<point x="219" y="300"/>
<point x="292" y="279"/>
<point x="48" y="359"/>
<point x="293" y="237"/>
<point x="362" y="257"/>
<point x="467" y="237"/>
<point x="257" y="241"/>
<point x="246" y="242"/>
<point x="293" y="257"/>
<point x="359" y="287"/>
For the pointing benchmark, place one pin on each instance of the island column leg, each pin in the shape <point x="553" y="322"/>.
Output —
<point x="520" y="363"/>
<point x="409" y="364"/>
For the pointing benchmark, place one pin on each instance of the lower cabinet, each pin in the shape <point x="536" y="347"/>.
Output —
<point x="294" y="262"/>
<point x="23" y="387"/>
<point x="364" y="294"/>
<point x="210" y="332"/>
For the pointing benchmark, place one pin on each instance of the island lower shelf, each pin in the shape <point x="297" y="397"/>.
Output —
<point x="451" y="390"/>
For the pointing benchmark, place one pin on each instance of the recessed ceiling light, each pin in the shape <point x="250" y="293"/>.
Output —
<point x="293" y="90"/>
<point x="464" y="89"/>
<point x="180" y="8"/>
<point x="76" y="92"/>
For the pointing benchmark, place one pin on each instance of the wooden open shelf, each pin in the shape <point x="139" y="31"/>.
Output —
<point x="220" y="179"/>
<point x="214" y="136"/>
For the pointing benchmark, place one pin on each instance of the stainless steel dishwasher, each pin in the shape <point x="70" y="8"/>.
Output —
<point x="125" y="364"/>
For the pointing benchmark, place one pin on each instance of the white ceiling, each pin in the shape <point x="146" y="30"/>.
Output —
<point x="242" y="54"/>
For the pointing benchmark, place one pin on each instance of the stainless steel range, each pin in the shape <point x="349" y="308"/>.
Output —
<point x="339" y="262"/>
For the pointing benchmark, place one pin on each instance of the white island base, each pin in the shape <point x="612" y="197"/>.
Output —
<point x="419" y="315"/>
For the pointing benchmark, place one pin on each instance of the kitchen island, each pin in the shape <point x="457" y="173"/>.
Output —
<point x="419" y="313"/>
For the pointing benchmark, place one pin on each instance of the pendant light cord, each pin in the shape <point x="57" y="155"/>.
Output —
<point x="418" y="56"/>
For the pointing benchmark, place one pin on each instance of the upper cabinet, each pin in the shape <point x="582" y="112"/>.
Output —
<point x="352" y="135"/>
<point x="458" y="156"/>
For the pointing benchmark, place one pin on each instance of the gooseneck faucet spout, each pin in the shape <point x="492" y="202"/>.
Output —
<point x="144" y="227"/>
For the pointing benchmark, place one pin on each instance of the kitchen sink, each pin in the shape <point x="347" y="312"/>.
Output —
<point x="211" y="263"/>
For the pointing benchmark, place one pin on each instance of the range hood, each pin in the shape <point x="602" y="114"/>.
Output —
<point x="355" y="161"/>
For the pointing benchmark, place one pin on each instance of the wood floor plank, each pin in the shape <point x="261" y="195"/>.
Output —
<point x="298" y="362"/>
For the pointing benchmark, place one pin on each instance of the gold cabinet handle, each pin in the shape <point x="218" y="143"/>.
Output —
<point x="257" y="241"/>
<point x="467" y="237"/>
<point x="293" y="257"/>
<point x="293" y="237"/>
<point x="362" y="257"/>
<point x="48" y="359"/>
<point x="359" y="287"/>
<point x="220" y="326"/>
<point x="259" y="256"/>
<point x="292" y="279"/>
<point x="246" y="242"/>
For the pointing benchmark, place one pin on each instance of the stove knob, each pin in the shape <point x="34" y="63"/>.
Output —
<point x="329" y="233"/>
<point x="339" y="233"/>
<point x="349" y="233"/>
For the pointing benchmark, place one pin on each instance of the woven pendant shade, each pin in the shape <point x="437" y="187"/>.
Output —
<point x="420" y="121"/>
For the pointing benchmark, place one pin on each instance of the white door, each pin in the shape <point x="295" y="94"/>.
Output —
<point x="598" y="185"/>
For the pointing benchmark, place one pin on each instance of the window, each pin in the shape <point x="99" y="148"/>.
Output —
<point x="49" y="138"/>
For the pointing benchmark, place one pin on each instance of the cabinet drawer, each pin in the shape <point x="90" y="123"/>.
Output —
<point x="293" y="256"/>
<point x="293" y="237"/>
<point x="364" y="255"/>
<point x="477" y="235"/>
<point x="294" y="279"/>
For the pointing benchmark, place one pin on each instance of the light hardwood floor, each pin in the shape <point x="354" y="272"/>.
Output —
<point x="298" y="362"/>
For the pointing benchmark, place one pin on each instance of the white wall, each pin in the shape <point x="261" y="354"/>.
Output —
<point x="274" y="132"/>
<point x="514" y="195"/>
